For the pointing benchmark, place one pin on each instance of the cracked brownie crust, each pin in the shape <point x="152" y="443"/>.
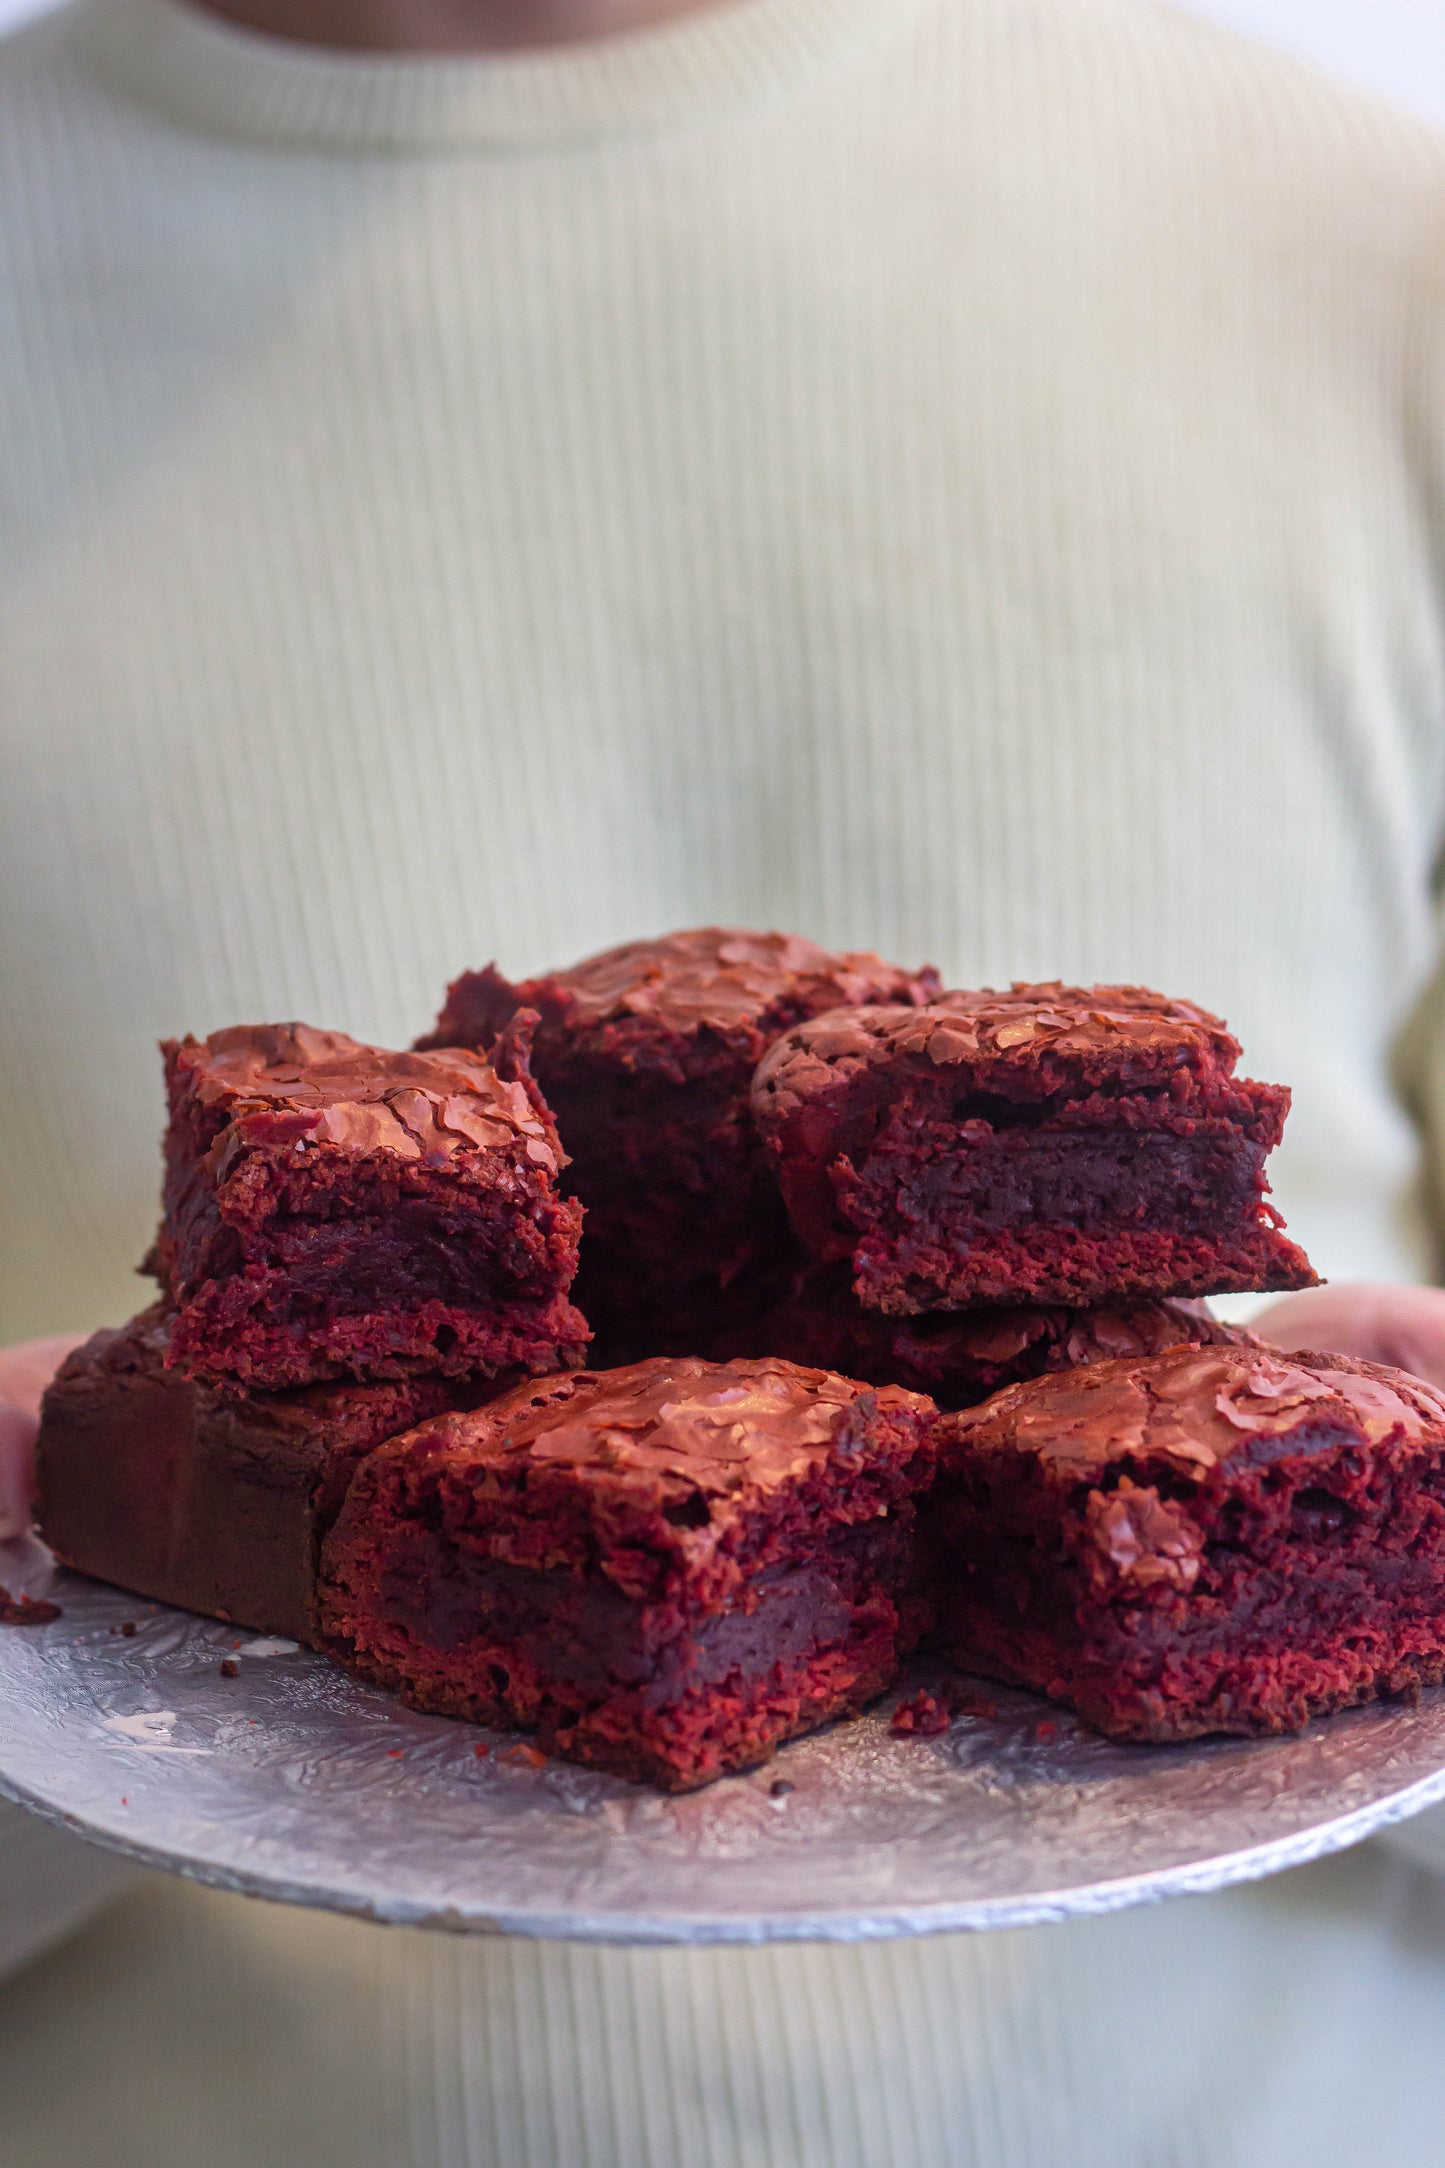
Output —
<point x="336" y="1210"/>
<point x="1050" y="1144"/>
<point x="646" y="1054"/>
<point x="1212" y="1539"/>
<point x="957" y="1357"/>
<point x="663" y="1570"/>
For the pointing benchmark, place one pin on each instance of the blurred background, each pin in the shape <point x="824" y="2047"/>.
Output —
<point x="1395" y="46"/>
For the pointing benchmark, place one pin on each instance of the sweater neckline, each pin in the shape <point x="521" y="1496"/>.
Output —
<point x="221" y="79"/>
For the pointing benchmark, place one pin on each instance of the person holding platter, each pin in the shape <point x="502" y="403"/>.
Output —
<point x="963" y="478"/>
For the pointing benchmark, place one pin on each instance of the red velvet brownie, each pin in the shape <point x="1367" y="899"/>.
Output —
<point x="663" y="1571"/>
<point x="808" y="1314"/>
<point x="646" y="1054"/>
<point x="334" y="1210"/>
<point x="1211" y="1539"/>
<point x="639" y="1316"/>
<point x="1050" y="1144"/>
<point x="957" y="1357"/>
<point x="213" y="1501"/>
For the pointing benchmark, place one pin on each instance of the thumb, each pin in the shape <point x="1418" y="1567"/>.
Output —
<point x="1402" y="1326"/>
<point x="17" y="1465"/>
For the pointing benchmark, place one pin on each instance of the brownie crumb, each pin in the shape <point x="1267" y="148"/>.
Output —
<point x="26" y="1610"/>
<point x="230" y="1669"/>
<point x="522" y="1756"/>
<point x="482" y="1751"/>
<point x="129" y="1629"/>
<point x="780" y="1788"/>
<point x="922" y="1717"/>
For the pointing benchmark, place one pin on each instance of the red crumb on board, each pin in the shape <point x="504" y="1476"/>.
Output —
<point x="523" y="1757"/>
<point x="923" y="1716"/>
<point x="26" y="1610"/>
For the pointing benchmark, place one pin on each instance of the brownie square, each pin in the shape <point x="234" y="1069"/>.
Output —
<point x="213" y="1501"/>
<point x="1051" y="1144"/>
<point x="1207" y="1540"/>
<point x="646" y="1054"/>
<point x="957" y="1357"/>
<point x="663" y="1571"/>
<point x="807" y="1313"/>
<point x="335" y="1210"/>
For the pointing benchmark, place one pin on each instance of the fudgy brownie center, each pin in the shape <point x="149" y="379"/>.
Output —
<point x="996" y="1179"/>
<point x="582" y="1632"/>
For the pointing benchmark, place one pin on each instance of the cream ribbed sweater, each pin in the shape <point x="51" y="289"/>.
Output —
<point x="965" y="477"/>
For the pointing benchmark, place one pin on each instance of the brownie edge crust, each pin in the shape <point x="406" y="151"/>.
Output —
<point x="1206" y="1540"/>
<point x="663" y="1571"/>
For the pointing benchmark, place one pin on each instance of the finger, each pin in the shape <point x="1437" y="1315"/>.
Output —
<point x="17" y="1467"/>
<point x="27" y="1369"/>
<point x="1401" y="1326"/>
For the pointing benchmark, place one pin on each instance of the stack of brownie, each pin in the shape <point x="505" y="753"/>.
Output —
<point x="896" y="1329"/>
<point x="352" y="1241"/>
<point x="647" y="1055"/>
<point x="826" y="1158"/>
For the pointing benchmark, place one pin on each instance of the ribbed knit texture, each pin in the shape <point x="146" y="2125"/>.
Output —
<point x="961" y="478"/>
<point x="48" y="1885"/>
<point x="965" y="477"/>
<point x="1293" y="2026"/>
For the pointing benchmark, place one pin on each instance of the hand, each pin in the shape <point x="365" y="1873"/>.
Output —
<point x="1402" y="1326"/>
<point x="25" y="1371"/>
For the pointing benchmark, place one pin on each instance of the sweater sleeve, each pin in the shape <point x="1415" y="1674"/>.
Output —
<point x="1419" y="1053"/>
<point x="1420" y="1062"/>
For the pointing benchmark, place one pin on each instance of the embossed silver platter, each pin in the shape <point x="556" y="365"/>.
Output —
<point x="289" y="1781"/>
